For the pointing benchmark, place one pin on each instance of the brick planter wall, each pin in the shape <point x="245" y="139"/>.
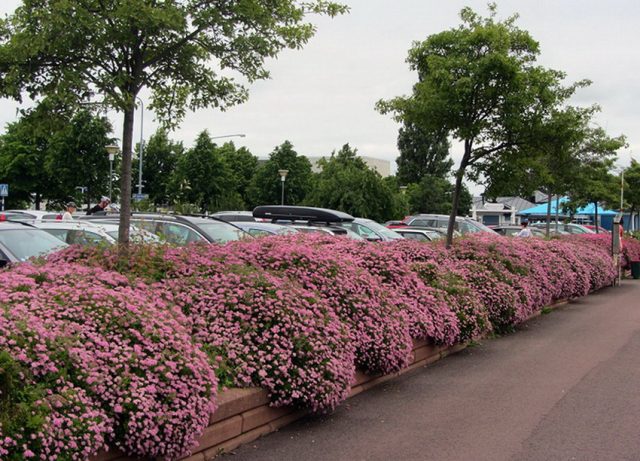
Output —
<point x="244" y="415"/>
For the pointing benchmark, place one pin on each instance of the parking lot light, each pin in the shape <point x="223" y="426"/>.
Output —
<point x="283" y="177"/>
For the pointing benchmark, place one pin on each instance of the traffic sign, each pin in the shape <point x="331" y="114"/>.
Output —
<point x="4" y="190"/>
<point x="138" y="197"/>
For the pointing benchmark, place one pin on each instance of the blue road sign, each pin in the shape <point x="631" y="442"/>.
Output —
<point x="4" y="190"/>
<point x="138" y="197"/>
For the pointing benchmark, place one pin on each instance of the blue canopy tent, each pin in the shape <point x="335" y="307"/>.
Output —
<point x="540" y="212"/>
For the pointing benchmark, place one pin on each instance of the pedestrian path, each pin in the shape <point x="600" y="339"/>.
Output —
<point x="565" y="386"/>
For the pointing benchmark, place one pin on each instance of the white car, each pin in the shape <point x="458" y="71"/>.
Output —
<point x="20" y="241"/>
<point x="33" y="215"/>
<point x="75" y="232"/>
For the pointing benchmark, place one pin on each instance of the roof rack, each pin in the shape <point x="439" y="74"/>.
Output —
<point x="300" y="213"/>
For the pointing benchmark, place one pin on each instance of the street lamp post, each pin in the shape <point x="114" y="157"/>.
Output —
<point x="112" y="150"/>
<point x="239" y="135"/>
<point x="141" y="146"/>
<point x="283" y="177"/>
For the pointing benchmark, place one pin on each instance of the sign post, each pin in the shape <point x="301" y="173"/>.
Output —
<point x="616" y="245"/>
<point x="4" y="192"/>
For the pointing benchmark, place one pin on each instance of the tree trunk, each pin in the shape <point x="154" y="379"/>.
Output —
<point x="548" y="226"/>
<point x="37" y="201"/>
<point x="125" y="179"/>
<point x="457" y="191"/>
<point x="596" y="217"/>
<point x="557" y="213"/>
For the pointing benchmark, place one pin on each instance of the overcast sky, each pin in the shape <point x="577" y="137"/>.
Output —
<point x="323" y="96"/>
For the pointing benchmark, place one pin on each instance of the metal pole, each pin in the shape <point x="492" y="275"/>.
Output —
<point x="622" y="191"/>
<point x="1" y="203"/>
<point x="141" y="146"/>
<point x="110" y="180"/>
<point x="282" y="191"/>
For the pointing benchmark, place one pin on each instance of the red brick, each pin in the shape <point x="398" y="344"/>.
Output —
<point x="355" y="390"/>
<point x="361" y="377"/>
<point x="194" y="457"/>
<point x="417" y="343"/>
<point x="220" y="432"/>
<point x="426" y="352"/>
<point x="452" y="350"/>
<point x="260" y="416"/>
<point x="235" y="442"/>
<point x="235" y="401"/>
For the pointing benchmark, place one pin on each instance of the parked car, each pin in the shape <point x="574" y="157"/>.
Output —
<point x="136" y="234"/>
<point x="512" y="230"/>
<point x="371" y="230"/>
<point x="424" y="234"/>
<point x="261" y="229"/>
<point x="331" y="230"/>
<point x="20" y="241"/>
<point x="600" y="229"/>
<point x="463" y="225"/>
<point x="33" y="215"/>
<point x="76" y="232"/>
<point x="395" y="224"/>
<point x="181" y="230"/>
<point x="566" y="228"/>
<point x="234" y="216"/>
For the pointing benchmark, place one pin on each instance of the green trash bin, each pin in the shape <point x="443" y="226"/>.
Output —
<point x="635" y="269"/>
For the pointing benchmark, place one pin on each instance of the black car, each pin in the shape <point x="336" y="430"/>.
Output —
<point x="182" y="230"/>
<point x="305" y="219"/>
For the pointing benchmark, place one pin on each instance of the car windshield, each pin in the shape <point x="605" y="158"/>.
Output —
<point x="221" y="232"/>
<point x="367" y="228"/>
<point x="27" y="243"/>
<point x="469" y="226"/>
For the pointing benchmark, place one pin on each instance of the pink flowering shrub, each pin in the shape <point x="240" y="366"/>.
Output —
<point x="140" y="382"/>
<point x="95" y="352"/>
<point x="378" y="327"/>
<point x="435" y="267"/>
<point x="429" y="317"/>
<point x="269" y="332"/>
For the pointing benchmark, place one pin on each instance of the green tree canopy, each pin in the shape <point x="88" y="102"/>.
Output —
<point x="79" y="158"/>
<point x="266" y="188"/>
<point x="50" y="152"/>
<point x="479" y="83"/>
<point x="201" y="176"/>
<point x="421" y="154"/>
<point x="160" y="159"/>
<point x="183" y="52"/>
<point x="632" y="187"/>
<point x="434" y="195"/>
<point x="346" y="183"/>
<point x="243" y="166"/>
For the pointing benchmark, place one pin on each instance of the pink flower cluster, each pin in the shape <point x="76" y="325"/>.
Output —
<point x="131" y="354"/>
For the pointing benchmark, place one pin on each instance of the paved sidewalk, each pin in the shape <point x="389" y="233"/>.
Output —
<point x="564" y="387"/>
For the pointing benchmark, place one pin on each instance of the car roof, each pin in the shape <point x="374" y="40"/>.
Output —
<point x="8" y="224"/>
<point x="301" y="213"/>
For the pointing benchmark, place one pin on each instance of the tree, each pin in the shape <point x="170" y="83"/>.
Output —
<point x="202" y="177"/>
<point x="243" y="166"/>
<point x="478" y="82"/>
<point x="632" y="188"/>
<point x="593" y="181"/>
<point x="50" y="152"/>
<point x="434" y="195"/>
<point x="160" y="159"/>
<point x="266" y="185"/>
<point x="78" y="158"/>
<point x="181" y="51"/>
<point x="421" y="154"/>
<point x="347" y="184"/>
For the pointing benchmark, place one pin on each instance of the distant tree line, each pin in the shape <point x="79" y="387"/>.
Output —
<point x="51" y="155"/>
